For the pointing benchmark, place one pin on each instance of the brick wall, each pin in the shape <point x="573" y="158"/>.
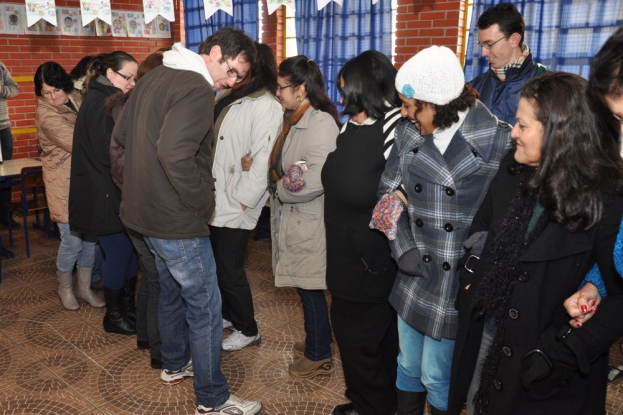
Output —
<point x="22" y="54"/>
<point x="423" y="23"/>
<point x="273" y="30"/>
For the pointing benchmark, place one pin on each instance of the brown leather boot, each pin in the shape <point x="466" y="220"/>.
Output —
<point x="305" y="368"/>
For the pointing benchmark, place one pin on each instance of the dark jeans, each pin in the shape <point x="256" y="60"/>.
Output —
<point x="229" y="246"/>
<point x="317" y="328"/>
<point x="121" y="260"/>
<point x="147" y="299"/>
<point x="367" y="335"/>
<point x="6" y="141"/>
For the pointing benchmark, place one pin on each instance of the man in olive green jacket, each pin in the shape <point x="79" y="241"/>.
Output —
<point x="166" y="128"/>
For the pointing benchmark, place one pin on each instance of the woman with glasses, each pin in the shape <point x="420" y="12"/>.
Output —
<point x="310" y="127"/>
<point x="93" y="197"/>
<point x="56" y="114"/>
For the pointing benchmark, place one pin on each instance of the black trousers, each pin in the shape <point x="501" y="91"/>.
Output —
<point x="229" y="246"/>
<point x="367" y="336"/>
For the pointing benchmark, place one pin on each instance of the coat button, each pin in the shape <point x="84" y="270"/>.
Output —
<point x="497" y="384"/>
<point x="106" y="196"/>
<point x="427" y="258"/>
<point x="475" y="153"/>
<point x="448" y="228"/>
<point x="221" y="138"/>
<point x="524" y="276"/>
<point x="507" y="351"/>
<point x="419" y="223"/>
<point x="415" y="151"/>
<point x="514" y="314"/>
<point x="196" y="213"/>
<point x="449" y="191"/>
<point x="418" y="188"/>
<point x="446" y="266"/>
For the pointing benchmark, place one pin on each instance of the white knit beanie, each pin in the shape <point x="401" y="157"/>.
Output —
<point x="433" y="75"/>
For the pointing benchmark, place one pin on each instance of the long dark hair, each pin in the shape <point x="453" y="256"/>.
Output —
<point x="576" y="164"/>
<point x="369" y="81"/>
<point x="299" y="70"/>
<point x="262" y="75"/>
<point x="54" y="75"/>
<point x="102" y="62"/>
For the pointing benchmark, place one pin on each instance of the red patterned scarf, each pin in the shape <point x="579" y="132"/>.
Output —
<point x="275" y="169"/>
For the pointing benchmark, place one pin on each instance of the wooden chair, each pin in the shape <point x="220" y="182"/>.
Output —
<point x="32" y="199"/>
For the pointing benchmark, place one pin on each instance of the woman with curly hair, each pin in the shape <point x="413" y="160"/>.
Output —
<point x="553" y="210"/>
<point x="445" y="155"/>
<point x="55" y="118"/>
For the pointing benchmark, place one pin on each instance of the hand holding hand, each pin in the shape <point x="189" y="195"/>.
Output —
<point x="246" y="161"/>
<point x="582" y="305"/>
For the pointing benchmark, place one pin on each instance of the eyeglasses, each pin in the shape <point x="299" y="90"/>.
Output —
<point x="233" y="73"/>
<point x="281" y="88"/>
<point x="618" y="117"/>
<point x="489" y="45"/>
<point x="126" y="77"/>
<point x="55" y="91"/>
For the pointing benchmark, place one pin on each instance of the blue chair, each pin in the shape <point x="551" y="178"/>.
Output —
<point x="32" y="199"/>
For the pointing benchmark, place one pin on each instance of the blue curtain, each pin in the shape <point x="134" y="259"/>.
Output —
<point x="198" y="28"/>
<point x="562" y="35"/>
<point x="335" y="34"/>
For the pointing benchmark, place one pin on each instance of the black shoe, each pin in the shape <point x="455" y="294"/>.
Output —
<point x="156" y="363"/>
<point x="14" y="225"/>
<point x="345" y="409"/>
<point x="115" y="320"/>
<point x="142" y="344"/>
<point x="97" y="285"/>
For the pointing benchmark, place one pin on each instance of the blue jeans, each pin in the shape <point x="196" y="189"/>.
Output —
<point x="424" y="365"/>
<point x="189" y="313"/>
<point x="317" y="327"/>
<point x="73" y="249"/>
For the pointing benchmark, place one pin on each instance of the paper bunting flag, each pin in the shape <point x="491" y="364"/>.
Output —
<point x="119" y="27"/>
<point x="40" y="9"/>
<point x="92" y="9"/>
<point x="273" y="5"/>
<point x="163" y="8"/>
<point x="211" y="6"/>
<point x="323" y="3"/>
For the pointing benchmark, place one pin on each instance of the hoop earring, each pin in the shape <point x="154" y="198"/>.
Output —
<point x="299" y="98"/>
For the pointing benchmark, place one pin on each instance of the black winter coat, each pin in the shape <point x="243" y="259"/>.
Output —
<point x="553" y="267"/>
<point x="93" y="197"/>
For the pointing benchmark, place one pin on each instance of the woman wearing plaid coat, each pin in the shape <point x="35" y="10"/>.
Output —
<point x="445" y="158"/>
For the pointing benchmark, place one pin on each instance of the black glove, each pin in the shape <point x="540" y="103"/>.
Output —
<point x="411" y="263"/>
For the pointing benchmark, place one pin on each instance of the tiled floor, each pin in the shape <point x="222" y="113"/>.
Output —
<point x="54" y="361"/>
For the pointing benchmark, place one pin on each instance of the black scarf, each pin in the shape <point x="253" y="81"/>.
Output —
<point x="500" y="276"/>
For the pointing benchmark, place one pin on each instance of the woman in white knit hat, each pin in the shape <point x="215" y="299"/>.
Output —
<point x="447" y="150"/>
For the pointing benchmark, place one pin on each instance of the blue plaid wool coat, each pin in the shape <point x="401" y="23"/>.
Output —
<point x="444" y="192"/>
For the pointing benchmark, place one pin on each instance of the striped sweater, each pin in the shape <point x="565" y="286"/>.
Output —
<point x="9" y="90"/>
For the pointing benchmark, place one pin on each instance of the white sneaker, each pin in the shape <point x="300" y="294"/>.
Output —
<point x="173" y="377"/>
<point x="227" y="324"/>
<point x="234" y="406"/>
<point x="238" y="341"/>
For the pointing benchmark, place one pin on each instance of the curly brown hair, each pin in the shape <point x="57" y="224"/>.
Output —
<point x="446" y="115"/>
